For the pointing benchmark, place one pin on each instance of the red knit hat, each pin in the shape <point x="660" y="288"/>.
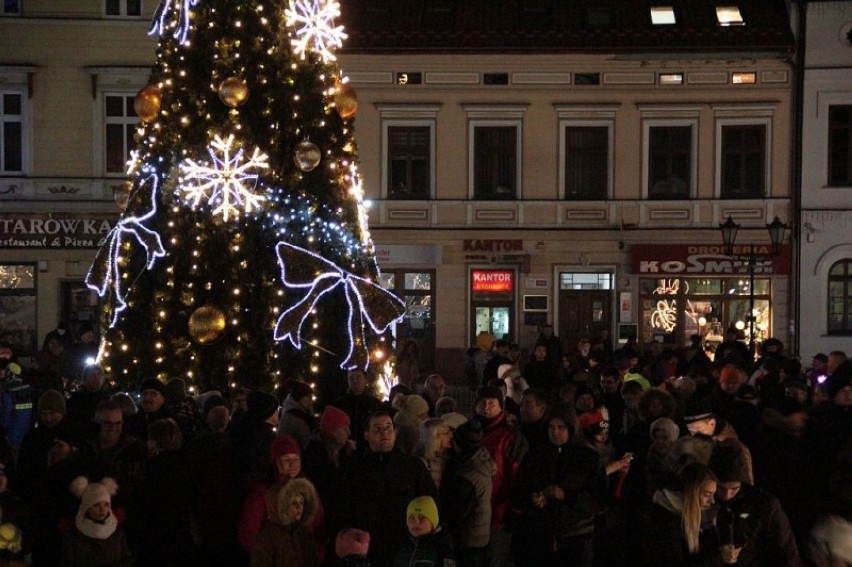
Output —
<point x="594" y="419"/>
<point x="333" y="418"/>
<point x="283" y="445"/>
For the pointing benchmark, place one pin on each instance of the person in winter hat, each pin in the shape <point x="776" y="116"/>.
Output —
<point x="285" y="540"/>
<point x="428" y="545"/>
<point x="96" y="539"/>
<point x="351" y="547"/>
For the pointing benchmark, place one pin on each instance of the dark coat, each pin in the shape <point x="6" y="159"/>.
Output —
<point x="466" y="495"/>
<point x="164" y="534"/>
<point x="578" y="472"/>
<point x="431" y="550"/>
<point x="754" y="520"/>
<point x="379" y="487"/>
<point x="79" y="550"/>
<point x="663" y="541"/>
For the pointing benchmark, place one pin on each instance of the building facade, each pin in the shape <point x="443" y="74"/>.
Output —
<point x="527" y="162"/>
<point x="826" y="203"/>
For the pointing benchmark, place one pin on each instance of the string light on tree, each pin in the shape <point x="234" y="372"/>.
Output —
<point x="226" y="182"/>
<point x="106" y="271"/>
<point x="180" y="26"/>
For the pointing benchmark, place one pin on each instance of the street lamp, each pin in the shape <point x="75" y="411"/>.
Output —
<point x="748" y="256"/>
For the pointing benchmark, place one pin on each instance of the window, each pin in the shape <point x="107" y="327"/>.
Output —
<point x="120" y="123"/>
<point x="123" y="8"/>
<point x="495" y="162"/>
<point x="18" y="307"/>
<point x="729" y="16"/>
<point x="840" y="145"/>
<point x="11" y="8"/>
<point x="409" y="151"/>
<point x="670" y="162"/>
<point x="840" y="298"/>
<point x="662" y="15"/>
<point x="417" y="289"/>
<point x="494" y="150"/>
<point x="586" y="162"/>
<point x="743" y="161"/>
<point x="11" y="132"/>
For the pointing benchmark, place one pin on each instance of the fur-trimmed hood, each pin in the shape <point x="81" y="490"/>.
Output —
<point x="666" y="399"/>
<point x="279" y="496"/>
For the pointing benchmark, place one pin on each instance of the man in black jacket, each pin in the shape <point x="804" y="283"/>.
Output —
<point x="381" y="482"/>
<point x="748" y="517"/>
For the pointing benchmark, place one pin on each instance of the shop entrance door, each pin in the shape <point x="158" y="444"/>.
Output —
<point x="582" y="313"/>
<point x="494" y="319"/>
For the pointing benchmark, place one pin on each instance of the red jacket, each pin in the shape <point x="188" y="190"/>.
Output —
<point x="507" y="447"/>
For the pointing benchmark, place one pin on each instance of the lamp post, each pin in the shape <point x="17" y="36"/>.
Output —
<point x="748" y="256"/>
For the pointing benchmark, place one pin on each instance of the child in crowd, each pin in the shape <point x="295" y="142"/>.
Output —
<point x="351" y="547"/>
<point x="285" y="540"/>
<point x="428" y="545"/>
<point x="96" y="539"/>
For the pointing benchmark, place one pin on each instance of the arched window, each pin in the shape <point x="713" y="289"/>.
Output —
<point x="840" y="298"/>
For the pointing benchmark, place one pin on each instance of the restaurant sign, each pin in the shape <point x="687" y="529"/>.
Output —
<point x="707" y="260"/>
<point x="66" y="231"/>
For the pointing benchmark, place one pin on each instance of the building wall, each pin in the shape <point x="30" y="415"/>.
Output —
<point x="826" y="211"/>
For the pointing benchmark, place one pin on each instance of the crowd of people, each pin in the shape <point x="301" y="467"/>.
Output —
<point x="585" y="456"/>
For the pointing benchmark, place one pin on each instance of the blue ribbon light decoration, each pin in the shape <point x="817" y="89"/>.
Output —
<point x="368" y="303"/>
<point x="105" y="269"/>
<point x="159" y="25"/>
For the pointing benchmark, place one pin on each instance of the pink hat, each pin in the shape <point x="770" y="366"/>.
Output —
<point x="352" y="542"/>
<point x="283" y="445"/>
<point x="333" y="418"/>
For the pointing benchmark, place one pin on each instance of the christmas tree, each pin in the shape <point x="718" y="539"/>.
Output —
<point x="243" y="256"/>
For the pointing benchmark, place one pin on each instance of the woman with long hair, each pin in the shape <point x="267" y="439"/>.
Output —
<point x="436" y="442"/>
<point x="672" y="527"/>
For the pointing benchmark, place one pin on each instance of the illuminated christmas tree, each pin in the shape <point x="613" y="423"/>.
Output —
<point x="243" y="256"/>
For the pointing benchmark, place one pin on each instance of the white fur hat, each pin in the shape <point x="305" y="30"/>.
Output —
<point x="92" y="493"/>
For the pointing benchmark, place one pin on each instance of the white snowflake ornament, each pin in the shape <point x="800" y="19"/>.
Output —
<point x="315" y="29"/>
<point x="226" y="182"/>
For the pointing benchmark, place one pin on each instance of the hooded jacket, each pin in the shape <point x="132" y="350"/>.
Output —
<point x="467" y="498"/>
<point x="285" y="541"/>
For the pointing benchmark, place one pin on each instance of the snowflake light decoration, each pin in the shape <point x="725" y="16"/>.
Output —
<point x="106" y="269"/>
<point x="160" y="24"/>
<point x="315" y="29"/>
<point x="226" y="182"/>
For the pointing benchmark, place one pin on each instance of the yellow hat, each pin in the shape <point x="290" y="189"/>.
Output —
<point x="426" y="506"/>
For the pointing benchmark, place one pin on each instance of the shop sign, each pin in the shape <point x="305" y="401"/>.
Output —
<point x="393" y="254"/>
<point x="492" y="281"/>
<point x="494" y="245"/>
<point x="56" y="231"/>
<point x="706" y="260"/>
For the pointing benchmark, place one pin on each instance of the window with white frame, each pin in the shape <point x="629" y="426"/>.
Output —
<point x="839" y="145"/>
<point x="408" y="150"/>
<point x="669" y="152"/>
<point x="11" y="132"/>
<point x="123" y="8"/>
<point x="15" y="121"/>
<point x="494" y="151"/>
<point x="743" y="150"/>
<point x="840" y="298"/>
<point x="120" y="122"/>
<point x="11" y="8"/>
<point x="114" y="117"/>
<point x="586" y="151"/>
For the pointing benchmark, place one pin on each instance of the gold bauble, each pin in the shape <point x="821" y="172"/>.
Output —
<point x="206" y="324"/>
<point x="147" y="103"/>
<point x="346" y="100"/>
<point x="233" y="91"/>
<point x="307" y="156"/>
